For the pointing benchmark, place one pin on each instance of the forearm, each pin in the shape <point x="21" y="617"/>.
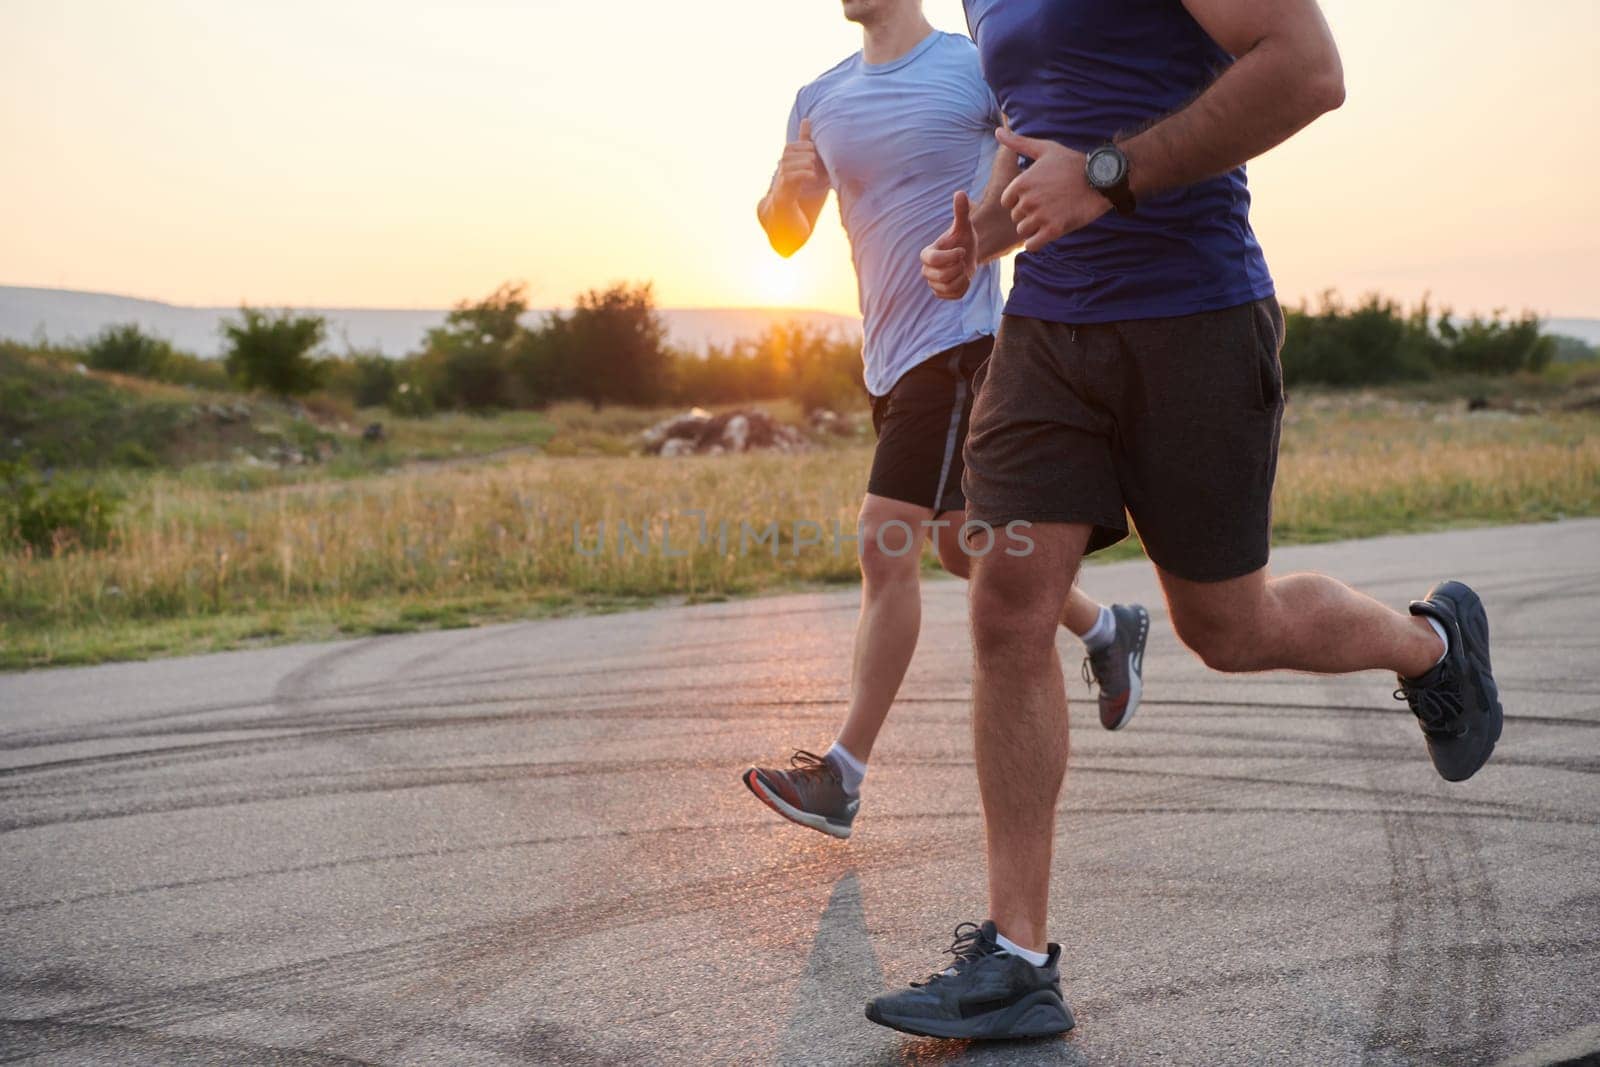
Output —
<point x="997" y="232"/>
<point x="1269" y="93"/>
<point x="785" y="220"/>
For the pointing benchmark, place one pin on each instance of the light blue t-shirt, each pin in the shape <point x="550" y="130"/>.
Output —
<point x="898" y="139"/>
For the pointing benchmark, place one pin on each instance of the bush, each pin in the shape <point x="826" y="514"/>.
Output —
<point x="366" y="379"/>
<point x="411" y="400"/>
<point x="128" y="350"/>
<point x="181" y="368"/>
<point x="1566" y="349"/>
<point x="1376" y="343"/>
<point x="618" y="347"/>
<point x="814" y="367"/>
<point x="1490" y="346"/>
<point x="273" y="351"/>
<point x="1370" y="344"/>
<point x="467" y="362"/>
<point x="52" y="515"/>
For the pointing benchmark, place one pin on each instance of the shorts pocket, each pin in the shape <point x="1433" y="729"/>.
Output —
<point x="1267" y="319"/>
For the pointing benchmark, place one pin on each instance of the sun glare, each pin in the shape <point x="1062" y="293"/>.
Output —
<point x="778" y="282"/>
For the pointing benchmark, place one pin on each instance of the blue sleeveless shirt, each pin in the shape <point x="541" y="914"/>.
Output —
<point x="1081" y="72"/>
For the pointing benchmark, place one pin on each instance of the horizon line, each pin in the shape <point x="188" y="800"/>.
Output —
<point x="272" y="305"/>
<point x="269" y="305"/>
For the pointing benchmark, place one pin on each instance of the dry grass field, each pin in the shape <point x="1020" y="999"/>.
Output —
<point x="194" y="564"/>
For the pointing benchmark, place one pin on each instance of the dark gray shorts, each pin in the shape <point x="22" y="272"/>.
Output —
<point x="1172" y="421"/>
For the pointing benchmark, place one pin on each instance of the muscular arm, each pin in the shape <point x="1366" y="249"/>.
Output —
<point x="1286" y="72"/>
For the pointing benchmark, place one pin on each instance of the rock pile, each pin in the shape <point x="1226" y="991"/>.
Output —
<point x="698" y="432"/>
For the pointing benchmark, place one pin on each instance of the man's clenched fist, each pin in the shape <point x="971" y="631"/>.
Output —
<point x="950" y="262"/>
<point x="800" y="171"/>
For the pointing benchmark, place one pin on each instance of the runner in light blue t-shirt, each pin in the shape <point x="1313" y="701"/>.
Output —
<point x="903" y="130"/>
<point x="895" y="140"/>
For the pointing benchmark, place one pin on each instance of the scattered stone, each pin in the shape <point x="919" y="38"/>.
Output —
<point x="680" y="427"/>
<point x="736" y="433"/>
<point x="677" y="446"/>
<point x="824" y="421"/>
<point x="698" y="432"/>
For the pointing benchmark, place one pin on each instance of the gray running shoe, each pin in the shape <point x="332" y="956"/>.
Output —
<point x="1118" y="669"/>
<point x="986" y="995"/>
<point x="809" y="793"/>
<point x="1457" y="702"/>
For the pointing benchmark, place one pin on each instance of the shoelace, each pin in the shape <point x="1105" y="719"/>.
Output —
<point x="966" y="946"/>
<point x="1437" y="706"/>
<point x="803" y="762"/>
<point x="1094" y="661"/>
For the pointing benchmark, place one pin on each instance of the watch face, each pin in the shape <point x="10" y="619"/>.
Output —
<point x="1105" y="169"/>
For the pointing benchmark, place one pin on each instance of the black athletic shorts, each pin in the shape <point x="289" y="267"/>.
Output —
<point x="922" y="424"/>
<point x="1173" y="421"/>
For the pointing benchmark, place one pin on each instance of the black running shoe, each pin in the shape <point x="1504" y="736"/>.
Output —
<point x="1457" y="703"/>
<point x="986" y="995"/>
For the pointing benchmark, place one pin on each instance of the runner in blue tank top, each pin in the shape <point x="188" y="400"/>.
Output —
<point x="1136" y="373"/>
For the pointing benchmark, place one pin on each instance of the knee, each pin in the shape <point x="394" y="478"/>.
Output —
<point x="1223" y="645"/>
<point x="1010" y="624"/>
<point x="888" y="553"/>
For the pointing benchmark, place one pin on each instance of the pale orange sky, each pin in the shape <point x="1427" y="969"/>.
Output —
<point x="410" y="153"/>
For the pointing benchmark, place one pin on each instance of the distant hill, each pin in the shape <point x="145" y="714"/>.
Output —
<point x="1585" y="330"/>
<point x="64" y="315"/>
<point x="68" y="315"/>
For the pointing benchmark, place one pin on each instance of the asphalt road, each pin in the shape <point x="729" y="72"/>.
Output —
<point x="529" y="844"/>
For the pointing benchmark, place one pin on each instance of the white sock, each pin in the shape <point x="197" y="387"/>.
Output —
<point x="1038" y="959"/>
<point x="1102" y="633"/>
<point x="1439" y="629"/>
<point x="851" y="770"/>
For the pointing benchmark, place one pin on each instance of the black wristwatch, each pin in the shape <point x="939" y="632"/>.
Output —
<point x="1107" y="169"/>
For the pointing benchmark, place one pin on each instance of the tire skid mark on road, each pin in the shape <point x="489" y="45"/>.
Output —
<point x="367" y="780"/>
<point x="325" y="719"/>
<point x="1210" y="982"/>
<point x="381" y="779"/>
<point x="1521" y="812"/>
<point x="286" y="731"/>
<point x="26" y="1039"/>
<point x="308" y="677"/>
<point x="590" y="837"/>
<point x="1441" y="996"/>
<point x="303" y="699"/>
<point x="331" y="718"/>
<point x="475" y="944"/>
<point x="319" y="728"/>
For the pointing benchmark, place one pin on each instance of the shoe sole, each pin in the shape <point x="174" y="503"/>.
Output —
<point x="1476" y="647"/>
<point x="1135" y="673"/>
<point x="789" y="811"/>
<point x="1041" y="1014"/>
